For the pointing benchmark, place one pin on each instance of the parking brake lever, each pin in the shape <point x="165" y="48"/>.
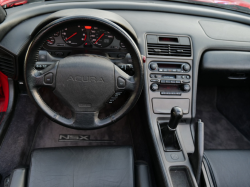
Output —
<point x="197" y="157"/>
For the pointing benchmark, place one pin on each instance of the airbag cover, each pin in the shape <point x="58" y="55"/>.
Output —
<point x="85" y="82"/>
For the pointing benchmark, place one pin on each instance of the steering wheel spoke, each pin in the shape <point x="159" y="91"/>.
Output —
<point x="45" y="77"/>
<point x="123" y="80"/>
<point x="86" y="119"/>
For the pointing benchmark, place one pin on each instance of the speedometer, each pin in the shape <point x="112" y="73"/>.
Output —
<point x="100" y="37"/>
<point x="74" y="36"/>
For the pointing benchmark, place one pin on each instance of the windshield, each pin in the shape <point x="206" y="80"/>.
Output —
<point x="237" y="5"/>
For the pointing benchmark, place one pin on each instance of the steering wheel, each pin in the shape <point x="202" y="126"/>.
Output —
<point x="84" y="82"/>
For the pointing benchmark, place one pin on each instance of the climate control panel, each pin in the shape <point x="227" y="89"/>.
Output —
<point x="170" y="84"/>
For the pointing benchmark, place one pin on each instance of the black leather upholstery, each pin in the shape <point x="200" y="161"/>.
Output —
<point x="142" y="175"/>
<point x="82" y="166"/>
<point x="229" y="168"/>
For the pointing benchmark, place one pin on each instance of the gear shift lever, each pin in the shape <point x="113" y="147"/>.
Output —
<point x="176" y="116"/>
<point x="168" y="130"/>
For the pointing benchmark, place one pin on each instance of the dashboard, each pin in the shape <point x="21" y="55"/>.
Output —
<point x="163" y="75"/>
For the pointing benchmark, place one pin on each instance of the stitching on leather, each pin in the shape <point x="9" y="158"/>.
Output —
<point x="210" y="170"/>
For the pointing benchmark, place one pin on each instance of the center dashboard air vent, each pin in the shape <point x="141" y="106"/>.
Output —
<point x="158" y="45"/>
<point x="7" y="63"/>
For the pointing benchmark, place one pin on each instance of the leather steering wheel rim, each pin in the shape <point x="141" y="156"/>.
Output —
<point x="82" y="120"/>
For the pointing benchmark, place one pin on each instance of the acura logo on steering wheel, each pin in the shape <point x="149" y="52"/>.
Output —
<point x="85" y="79"/>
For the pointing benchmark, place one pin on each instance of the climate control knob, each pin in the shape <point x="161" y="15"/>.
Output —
<point x="186" y="67"/>
<point x="153" y="66"/>
<point x="154" y="87"/>
<point x="185" y="87"/>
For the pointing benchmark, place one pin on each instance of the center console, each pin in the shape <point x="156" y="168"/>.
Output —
<point x="168" y="75"/>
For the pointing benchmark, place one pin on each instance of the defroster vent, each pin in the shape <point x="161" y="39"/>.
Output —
<point x="7" y="63"/>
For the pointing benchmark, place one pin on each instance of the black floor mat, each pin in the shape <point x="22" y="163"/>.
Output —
<point x="48" y="133"/>
<point x="219" y="132"/>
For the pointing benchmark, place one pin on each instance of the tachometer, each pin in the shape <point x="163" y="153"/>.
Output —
<point x="74" y="36"/>
<point x="50" y="40"/>
<point x="100" y="37"/>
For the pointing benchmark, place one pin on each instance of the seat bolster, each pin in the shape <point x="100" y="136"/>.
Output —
<point x="142" y="175"/>
<point x="18" y="177"/>
<point x="228" y="168"/>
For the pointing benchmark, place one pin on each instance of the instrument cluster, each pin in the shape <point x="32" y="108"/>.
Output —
<point x="84" y="36"/>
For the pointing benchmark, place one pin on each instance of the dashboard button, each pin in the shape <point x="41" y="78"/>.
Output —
<point x="186" y="67"/>
<point x="121" y="82"/>
<point x="167" y="81"/>
<point x="43" y="57"/>
<point x="178" y="76"/>
<point x="154" y="87"/>
<point x="172" y="81"/>
<point x="48" y="79"/>
<point x="153" y="66"/>
<point x="186" y="87"/>
<point x="152" y="76"/>
<point x="160" y="69"/>
<point x="163" y="81"/>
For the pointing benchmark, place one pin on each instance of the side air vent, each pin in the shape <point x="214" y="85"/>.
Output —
<point x="172" y="46"/>
<point x="169" y="50"/>
<point x="7" y="63"/>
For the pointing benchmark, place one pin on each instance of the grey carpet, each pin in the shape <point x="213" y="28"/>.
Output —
<point x="16" y="145"/>
<point x="219" y="132"/>
<point x="234" y="104"/>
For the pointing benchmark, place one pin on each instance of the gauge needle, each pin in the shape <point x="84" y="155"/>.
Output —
<point x="99" y="38"/>
<point x="50" y="41"/>
<point x="71" y="36"/>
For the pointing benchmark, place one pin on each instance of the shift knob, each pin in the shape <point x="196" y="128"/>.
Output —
<point x="176" y="115"/>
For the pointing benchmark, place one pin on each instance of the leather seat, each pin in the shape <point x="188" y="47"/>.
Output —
<point x="229" y="168"/>
<point x="83" y="166"/>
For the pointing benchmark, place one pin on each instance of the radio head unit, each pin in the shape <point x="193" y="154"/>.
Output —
<point x="181" y="67"/>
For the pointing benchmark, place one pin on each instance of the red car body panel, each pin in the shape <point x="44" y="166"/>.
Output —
<point x="227" y="2"/>
<point x="12" y="3"/>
